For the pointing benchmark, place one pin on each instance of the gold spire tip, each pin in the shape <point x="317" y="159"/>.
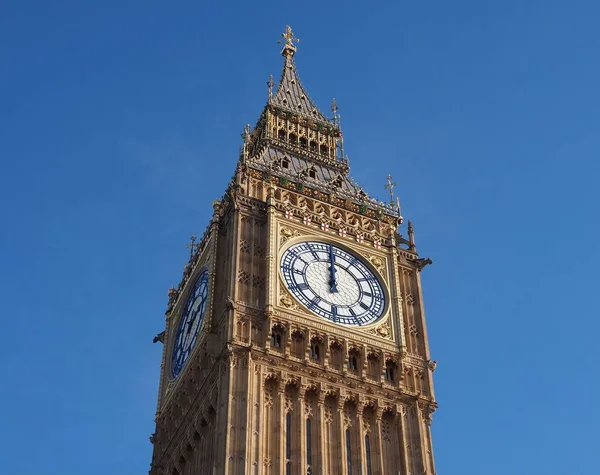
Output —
<point x="289" y="48"/>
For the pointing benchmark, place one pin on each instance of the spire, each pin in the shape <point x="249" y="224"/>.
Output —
<point x="290" y="94"/>
<point x="295" y="145"/>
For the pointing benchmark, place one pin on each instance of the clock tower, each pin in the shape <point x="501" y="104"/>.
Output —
<point x="296" y="341"/>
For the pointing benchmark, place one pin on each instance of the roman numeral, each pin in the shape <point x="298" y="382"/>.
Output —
<point x="312" y="251"/>
<point x="315" y="302"/>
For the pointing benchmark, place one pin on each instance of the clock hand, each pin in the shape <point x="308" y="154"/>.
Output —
<point x="332" y="271"/>
<point x="190" y="323"/>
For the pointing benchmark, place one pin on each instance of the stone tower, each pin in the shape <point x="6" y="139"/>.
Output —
<point x="296" y="342"/>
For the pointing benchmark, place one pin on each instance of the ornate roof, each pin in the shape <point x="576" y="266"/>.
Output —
<point x="298" y="169"/>
<point x="290" y="94"/>
<point x="294" y="140"/>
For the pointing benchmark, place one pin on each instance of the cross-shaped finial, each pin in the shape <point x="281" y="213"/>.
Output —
<point x="192" y="246"/>
<point x="289" y="36"/>
<point x="390" y="185"/>
<point x="289" y="47"/>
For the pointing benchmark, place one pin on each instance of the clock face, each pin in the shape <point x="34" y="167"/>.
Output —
<point x="189" y="324"/>
<point x="333" y="283"/>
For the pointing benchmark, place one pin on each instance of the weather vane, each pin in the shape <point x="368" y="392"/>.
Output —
<point x="390" y="185"/>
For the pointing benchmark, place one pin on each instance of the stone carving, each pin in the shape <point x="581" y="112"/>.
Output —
<point x="308" y="407"/>
<point x="328" y="414"/>
<point x="286" y="234"/>
<point x="384" y="330"/>
<point x="244" y="246"/>
<point x="259" y="251"/>
<point x="173" y="294"/>
<point x="377" y="263"/>
<point x="285" y="299"/>
<point x="160" y="337"/>
<point x="422" y="263"/>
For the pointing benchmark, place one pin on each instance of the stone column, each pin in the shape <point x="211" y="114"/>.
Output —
<point x="280" y="429"/>
<point x="377" y="453"/>
<point x="404" y="439"/>
<point x="273" y="242"/>
<point x="321" y="433"/>
<point x="426" y="412"/>
<point x="301" y="446"/>
<point x="360" y="431"/>
<point x="342" y="442"/>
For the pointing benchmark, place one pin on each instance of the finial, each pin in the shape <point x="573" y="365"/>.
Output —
<point x="246" y="137"/>
<point x="399" y="210"/>
<point x="289" y="49"/>
<point x="192" y="246"/>
<point x="390" y="185"/>
<point x="270" y="83"/>
<point x="342" y="147"/>
<point x="334" y="109"/>
<point x="411" y="237"/>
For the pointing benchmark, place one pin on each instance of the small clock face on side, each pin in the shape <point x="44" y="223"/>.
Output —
<point x="333" y="283"/>
<point x="189" y="323"/>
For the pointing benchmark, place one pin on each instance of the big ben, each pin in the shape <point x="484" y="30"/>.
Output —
<point x="296" y="341"/>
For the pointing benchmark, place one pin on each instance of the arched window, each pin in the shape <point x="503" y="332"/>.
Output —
<point x="368" y="451"/>
<point x="277" y="337"/>
<point x="281" y="135"/>
<point x="293" y="139"/>
<point x="315" y="349"/>
<point x="298" y="344"/>
<point x="349" y="452"/>
<point x="390" y="371"/>
<point x="303" y="143"/>
<point x="336" y="355"/>
<point x="353" y="360"/>
<point x="308" y="448"/>
<point x="352" y="363"/>
<point x="313" y="146"/>
<point x="324" y="150"/>
<point x="373" y="368"/>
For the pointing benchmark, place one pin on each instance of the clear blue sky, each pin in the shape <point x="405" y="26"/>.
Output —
<point x="120" y="122"/>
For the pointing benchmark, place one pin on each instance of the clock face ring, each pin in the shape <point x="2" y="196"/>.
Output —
<point x="333" y="282"/>
<point x="190" y="322"/>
